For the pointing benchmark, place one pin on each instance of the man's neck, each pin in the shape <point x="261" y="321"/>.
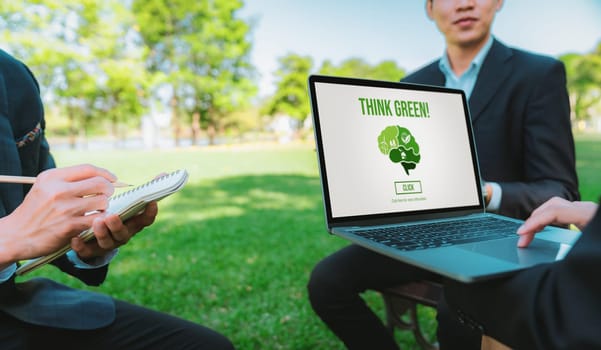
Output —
<point x="461" y="56"/>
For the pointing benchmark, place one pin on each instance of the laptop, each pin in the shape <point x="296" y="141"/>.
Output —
<point x="399" y="175"/>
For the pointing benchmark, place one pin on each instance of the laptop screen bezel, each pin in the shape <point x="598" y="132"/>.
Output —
<point x="384" y="218"/>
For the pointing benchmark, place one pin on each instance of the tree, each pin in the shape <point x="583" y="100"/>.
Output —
<point x="44" y="34"/>
<point x="291" y="97"/>
<point x="199" y="51"/>
<point x="584" y="82"/>
<point x="83" y="55"/>
<point x="118" y="59"/>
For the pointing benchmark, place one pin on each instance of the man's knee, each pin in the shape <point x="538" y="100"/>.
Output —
<point x="222" y="343"/>
<point x="453" y="332"/>
<point x="210" y="339"/>
<point x="327" y="284"/>
<point x="318" y="284"/>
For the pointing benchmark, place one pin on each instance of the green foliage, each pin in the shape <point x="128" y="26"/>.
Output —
<point x="291" y="97"/>
<point x="81" y="53"/>
<point x="104" y="61"/>
<point x="584" y="83"/>
<point x="200" y="51"/>
<point x="358" y="68"/>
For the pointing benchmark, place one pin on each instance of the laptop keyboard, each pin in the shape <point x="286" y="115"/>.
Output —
<point x="440" y="234"/>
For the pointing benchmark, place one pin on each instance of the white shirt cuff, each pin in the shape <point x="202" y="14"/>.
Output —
<point x="495" y="199"/>
<point x="7" y="273"/>
<point x="95" y="263"/>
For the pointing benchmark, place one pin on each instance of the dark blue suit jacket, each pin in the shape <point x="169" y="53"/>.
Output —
<point x="38" y="301"/>
<point x="521" y="120"/>
<point x="520" y="116"/>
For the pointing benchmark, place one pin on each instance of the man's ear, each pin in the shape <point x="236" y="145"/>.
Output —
<point x="429" y="9"/>
<point x="499" y="4"/>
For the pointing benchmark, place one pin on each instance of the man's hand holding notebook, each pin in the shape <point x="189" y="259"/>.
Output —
<point x="126" y="205"/>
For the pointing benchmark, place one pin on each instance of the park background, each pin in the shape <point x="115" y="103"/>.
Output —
<point x="219" y="88"/>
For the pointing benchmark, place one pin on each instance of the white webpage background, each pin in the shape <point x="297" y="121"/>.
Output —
<point x="361" y="179"/>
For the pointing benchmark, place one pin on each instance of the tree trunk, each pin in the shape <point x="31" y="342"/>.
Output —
<point x="211" y="132"/>
<point x="72" y="129"/>
<point x="195" y="127"/>
<point x="115" y="131"/>
<point x="177" y="129"/>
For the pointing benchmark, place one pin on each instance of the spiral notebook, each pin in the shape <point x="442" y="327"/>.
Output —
<point x="126" y="205"/>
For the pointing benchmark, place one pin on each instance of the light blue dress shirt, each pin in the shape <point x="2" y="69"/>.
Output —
<point x="466" y="83"/>
<point x="72" y="256"/>
<point x="468" y="79"/>
<point x="7" y="272"/>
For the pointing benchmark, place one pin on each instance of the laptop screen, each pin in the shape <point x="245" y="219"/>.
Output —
<point x="389" y="148"/>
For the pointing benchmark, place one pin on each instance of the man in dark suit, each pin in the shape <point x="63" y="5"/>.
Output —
<point x="521" y="120"/>
<point x="37" y="220"/>
<point x="550" y="306"/>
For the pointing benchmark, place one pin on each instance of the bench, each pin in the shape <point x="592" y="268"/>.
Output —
<point x="401" y="302"/>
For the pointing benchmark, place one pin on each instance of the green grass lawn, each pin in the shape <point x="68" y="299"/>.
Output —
<point x="233" y="250"/>
<point x="588" y="165"/>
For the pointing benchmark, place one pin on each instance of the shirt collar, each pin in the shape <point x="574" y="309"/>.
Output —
<point x="445" y="65"/>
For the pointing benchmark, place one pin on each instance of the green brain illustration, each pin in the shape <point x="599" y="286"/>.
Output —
<point x="400" y="146"/>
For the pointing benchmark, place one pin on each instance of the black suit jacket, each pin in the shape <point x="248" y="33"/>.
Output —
<point x="551" y="306"/>
<point x="521" y="120"/>
<point x="21" y="112"/>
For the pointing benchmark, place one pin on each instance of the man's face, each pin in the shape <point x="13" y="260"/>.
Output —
<point x="463" y="22"/>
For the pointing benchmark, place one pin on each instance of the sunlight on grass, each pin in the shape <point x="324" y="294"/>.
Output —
<point x="234" y="249"/>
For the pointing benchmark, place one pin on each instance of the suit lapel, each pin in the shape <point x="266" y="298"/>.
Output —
<point x="11" y="195"/>
<point x="495" y="69"/>
<point x="433" y="76"/>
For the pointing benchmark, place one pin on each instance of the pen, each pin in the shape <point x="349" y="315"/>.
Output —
<point x="31" y="180"/>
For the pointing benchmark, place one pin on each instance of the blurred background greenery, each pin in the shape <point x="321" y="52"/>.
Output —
<point x="234" y="249"/>
<point x="181" y="70"/>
